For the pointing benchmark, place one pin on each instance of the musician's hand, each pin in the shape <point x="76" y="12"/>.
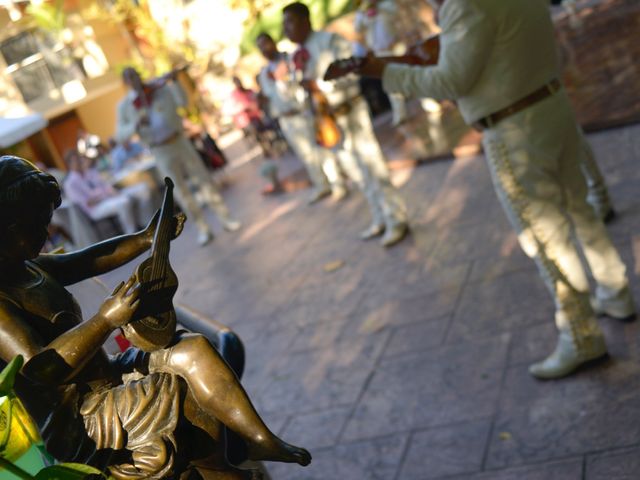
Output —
<point x="118" y="308"/>
<point x="178" y="225"/>
<point x="373" y="67"/>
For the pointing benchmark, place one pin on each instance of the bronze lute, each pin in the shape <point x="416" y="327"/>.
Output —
<point x="154" y="323"/>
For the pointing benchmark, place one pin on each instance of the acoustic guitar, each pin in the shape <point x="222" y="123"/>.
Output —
<point x="154" y="324"/>
<point x="327" y="132"/>
<point x="424" y="53"/>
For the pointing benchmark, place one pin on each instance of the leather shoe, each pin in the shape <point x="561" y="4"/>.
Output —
<point x="232" y="225"/>
<point x="339" y="193"/>
<point x="373" y="231"/>
<point x="204" y="238"/>
<point x="394" y="235"/>
<point x="318" y="195"/>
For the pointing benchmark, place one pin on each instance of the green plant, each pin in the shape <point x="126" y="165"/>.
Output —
<point x="47" y="16"/>
<point x="18" y="432"/>
<point x="266" y="15"/>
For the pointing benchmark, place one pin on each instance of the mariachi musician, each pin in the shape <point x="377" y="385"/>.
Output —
<point x="150" y="110"/>
<point x="359" y="152"/>
<point x="535" y="151"/>
<point x="287" y="103"/>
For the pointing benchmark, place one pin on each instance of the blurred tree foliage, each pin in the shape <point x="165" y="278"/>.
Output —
<point x="48" y="16"/>
<point x="154" y="54"/>
<point x="266" y="15"/>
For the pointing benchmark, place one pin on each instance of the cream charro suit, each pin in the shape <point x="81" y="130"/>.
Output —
<point x="495" y="52"/>
<point x="176" y="159"/>
<point x="286" y="103"/>
<point x="380" y="33"/>
<point x="360" y="154"/>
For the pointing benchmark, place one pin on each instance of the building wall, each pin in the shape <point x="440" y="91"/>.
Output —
<point x="93" y="101"/>
<point x="113" y="40"/>
<point x="99" y="115"/>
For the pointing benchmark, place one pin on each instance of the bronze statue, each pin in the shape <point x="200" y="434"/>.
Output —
<point x="141" y="414"/>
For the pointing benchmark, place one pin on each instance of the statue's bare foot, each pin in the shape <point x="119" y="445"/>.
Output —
<point x="301" y="455"/>
<point x="279" y="451"/>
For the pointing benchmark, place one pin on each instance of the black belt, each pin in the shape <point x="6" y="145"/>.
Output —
<point x="540" y="94"/>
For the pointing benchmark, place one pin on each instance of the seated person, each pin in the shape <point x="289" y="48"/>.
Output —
<point x="121" y="153"/>
<point x="244" y="109"/>
<point x="121" y="414"/>
<point x="85" y="187"/>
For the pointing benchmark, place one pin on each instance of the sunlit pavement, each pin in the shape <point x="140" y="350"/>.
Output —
<point x="411" y="363"/>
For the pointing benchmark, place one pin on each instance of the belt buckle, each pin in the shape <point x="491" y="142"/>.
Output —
<point x="553" y="86"/>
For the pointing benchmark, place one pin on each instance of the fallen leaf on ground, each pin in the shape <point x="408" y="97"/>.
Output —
<point x="333" y="266"/>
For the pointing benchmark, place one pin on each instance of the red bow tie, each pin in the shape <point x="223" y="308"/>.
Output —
<point x="300" y="58"/>
<point x="144" y="99"/>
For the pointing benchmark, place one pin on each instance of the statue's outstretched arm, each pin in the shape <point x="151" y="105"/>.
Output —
<point x="99" y="258"/>
<point x="96" y="259"/>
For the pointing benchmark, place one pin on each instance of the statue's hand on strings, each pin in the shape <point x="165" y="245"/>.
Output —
<point x="178" y="226"/>
<point x="119" y="307"/>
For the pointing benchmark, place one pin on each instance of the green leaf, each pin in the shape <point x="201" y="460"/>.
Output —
<point x="8" y="375"/>
<point x="69" y="471"/>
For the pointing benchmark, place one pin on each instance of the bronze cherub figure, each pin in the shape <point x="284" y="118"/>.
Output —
<point x="141" y="414"/>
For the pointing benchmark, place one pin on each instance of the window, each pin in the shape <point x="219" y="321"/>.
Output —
<point x="38" y="64"/>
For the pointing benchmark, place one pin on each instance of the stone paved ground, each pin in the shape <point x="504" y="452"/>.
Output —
<point x="412" y="363"/>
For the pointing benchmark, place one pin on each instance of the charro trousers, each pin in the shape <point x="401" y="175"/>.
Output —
<point x="180" y="161"/>
<point x="321" y="164"/>
<point x="535" y="158"/>
<point x="362" y="159"/>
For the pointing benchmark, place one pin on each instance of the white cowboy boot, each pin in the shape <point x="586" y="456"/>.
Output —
<point x="568" y="356"/>
<point x="619" y="306"/>
<point x="372" y="231"/>
<point x="204" y="237"/>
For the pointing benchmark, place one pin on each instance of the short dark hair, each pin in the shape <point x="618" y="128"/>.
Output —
<point x="264" y="35"/>
<point x="21" y="184"/>
<point x="298" y="9"/>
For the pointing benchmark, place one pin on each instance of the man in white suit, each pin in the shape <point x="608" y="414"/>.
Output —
<point x="498" y="60"/>
<point x="151" y="112"/>
<point x="360" y="154"/>
<point x="287" y="104"/>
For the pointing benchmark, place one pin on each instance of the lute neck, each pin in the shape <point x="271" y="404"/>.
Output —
<point x="162" y="237"/>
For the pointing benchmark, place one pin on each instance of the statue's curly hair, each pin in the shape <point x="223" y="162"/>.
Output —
<point x="22" y="184"/>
